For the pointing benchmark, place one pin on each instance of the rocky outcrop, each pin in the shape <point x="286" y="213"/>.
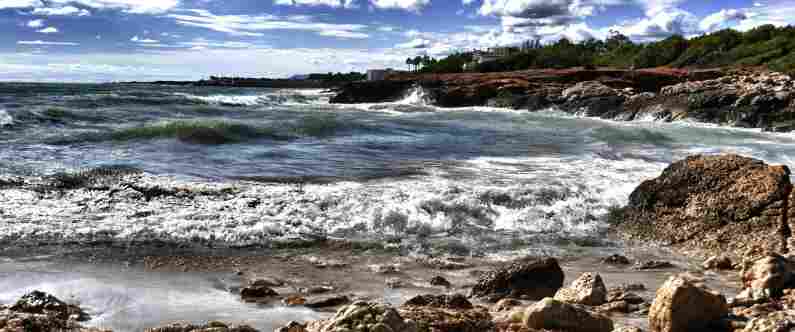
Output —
<point x="533" y="280"/>
<point x="588" y="289"/>
<point x="552" y="314"/>
<point x="38" y="302"/>
<point x="213" y="326"/>
<point x="681" y="306"/>
<point x="710" y="205"/>
<point x="39" y="311"/>
<point x="768" y="277"/>
<point x="745" y="99"/>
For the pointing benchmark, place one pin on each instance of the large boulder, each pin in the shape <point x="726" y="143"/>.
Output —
<point x="682" y="305"/>
<point x="364" y="316"/>
<point x="588" y="289"/>
<point x="710" y="205"/>
<point x="768" y="277"/>
<point x="552" y="314"/>
<point x="534" y="280"/>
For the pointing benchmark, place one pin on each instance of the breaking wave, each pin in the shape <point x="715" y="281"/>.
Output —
<point x="5" y="118"/>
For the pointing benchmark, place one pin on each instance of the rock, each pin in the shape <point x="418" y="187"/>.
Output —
<point x="620" y="295"/>
<point x="395" y="283"/>
<point x="364" y="316"/>
<point x="456" y="301"/>
<point x="292" y="327"/>
<point x="779" y="321"/>
<point x="37" y="302"/>
<point x="588" y="289"/>
<point x="681" y="306"/>
<point x="267" y="282"/>
<point x="444" y="263"/>
<point x="616" y="260"/>
<point x="384" y="268"/>
<point x="534" y="280"/>
<point x="506" y="304"/>
<point x="255" y="293"/>
<point x="446" y="313"/>
<point x="372" y="92"/>
<point x="653" y="265"/>
<point x="209" y="327"/>
<point x="720" y="262"/>
<point x="614" y="307"/>
<point x="439" y="281"/>
<point x="328" y="301"/>
<point x="711" y="205"/>
<point x="294" y="300"/>
<point x="552" y="314"/>
<point x="768" y="276"/>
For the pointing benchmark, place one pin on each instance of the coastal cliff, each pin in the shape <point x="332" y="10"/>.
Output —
<point x="750" y="99"/>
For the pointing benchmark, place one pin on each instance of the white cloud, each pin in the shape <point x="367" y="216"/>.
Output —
<point x="45" y="43"/>
<point x="143" y="40"/>
<point x="48" y="30"/>
<point x="408" y="5"/>
<point x="130" y="6"/>
<point x="35" y="24"/>
<point x="248" y="25"/>
<point x="417" y="43"/>
<point x="663" y="24"/>
<point x="721" y="19"/>
<point x="778" y="13"/>
<point x="62" y="11"/>
<point x="5" y="4"/>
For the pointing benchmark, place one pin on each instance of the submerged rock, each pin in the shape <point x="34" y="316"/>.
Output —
<point x="588" y="289"/>
<point x="681" y="306"/>
<point x="711" y="205"/>
<point x="38" y="302"/>
<point x="552" y="314"/>
<point x="534" y="280"/>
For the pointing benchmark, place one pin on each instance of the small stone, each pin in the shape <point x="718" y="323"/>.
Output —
<point x="440" y="281"/>
<point x="616" y="260"/>
<point x="721" y="262"/>
<point x="654" y="265"/>
<point x="326" y="302"/>
<point x="253" y="293"/>
<point x="588" y="289"/>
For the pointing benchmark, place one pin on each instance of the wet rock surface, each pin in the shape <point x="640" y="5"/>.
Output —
<point x="534" y="280"/>
<point x="712" y="205"/>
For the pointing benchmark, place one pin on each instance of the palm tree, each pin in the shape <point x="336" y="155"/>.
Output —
<point x="409" y="62"/>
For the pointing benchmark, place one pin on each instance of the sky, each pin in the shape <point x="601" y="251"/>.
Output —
<point x="123" y="40"/>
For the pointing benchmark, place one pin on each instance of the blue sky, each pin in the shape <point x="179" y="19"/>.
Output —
<point x="109" y="40"/>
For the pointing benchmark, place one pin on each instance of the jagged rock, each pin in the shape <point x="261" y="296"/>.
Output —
<point x="768" y="277"/>
<point x="38" y="302"/>
<point x="681" y="306"/>
<point x="533" y="280"/>
<point x="440" y="281"/>
<point x="720" y="262"/>
<point x="710" y="205"/>
<point x="456" y="301"/>
<point x="588" y="289"/>
<point x="616" y="260"/>
<point x="364" y="316"/>
<point x="552" y="314"/>
<point x="620" y="295"/>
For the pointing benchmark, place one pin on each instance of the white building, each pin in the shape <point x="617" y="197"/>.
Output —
<point x="377" y="74"/>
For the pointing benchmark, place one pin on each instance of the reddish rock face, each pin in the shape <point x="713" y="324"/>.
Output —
<point x="711" y="205"/>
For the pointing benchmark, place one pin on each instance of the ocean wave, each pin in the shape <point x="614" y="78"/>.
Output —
<point x="5" y="118"/>
<point x="288" y="97"/>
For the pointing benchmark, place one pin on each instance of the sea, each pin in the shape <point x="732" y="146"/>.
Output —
<point x="481" y="180"/>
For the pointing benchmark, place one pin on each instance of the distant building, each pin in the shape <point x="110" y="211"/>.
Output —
<point x="378" y="74"/>
<point x="491" y="54"/>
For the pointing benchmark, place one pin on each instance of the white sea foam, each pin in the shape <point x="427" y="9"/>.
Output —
<point x="281" y="97"/>
<point x="5" y="118"/>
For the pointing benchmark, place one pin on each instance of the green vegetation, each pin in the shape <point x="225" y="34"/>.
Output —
<point x="766" y="45"/>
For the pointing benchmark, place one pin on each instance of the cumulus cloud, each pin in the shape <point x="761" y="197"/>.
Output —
<point x="6" y="4"/>
<point x="254" y="25"/>
<point x="721" y="19"/>
<point x="408" y="5"/>
<point x="663" y="24"/>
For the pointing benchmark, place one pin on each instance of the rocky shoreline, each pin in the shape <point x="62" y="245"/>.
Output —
<point x="733" y="211"/>
<point x="749" y="99"/>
